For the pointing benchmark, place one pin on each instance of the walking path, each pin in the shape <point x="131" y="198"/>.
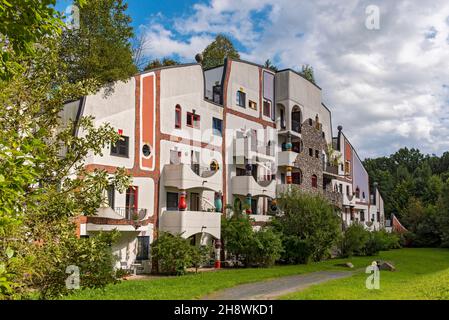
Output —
<point x="272" y="289"/>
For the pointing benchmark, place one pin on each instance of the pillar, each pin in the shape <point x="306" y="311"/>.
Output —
<point x="217" y="264"/>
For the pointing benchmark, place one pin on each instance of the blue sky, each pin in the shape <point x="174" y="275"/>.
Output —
<point x="387" y="87"/>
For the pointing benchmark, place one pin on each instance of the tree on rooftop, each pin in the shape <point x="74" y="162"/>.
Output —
<point x="156" y="63"/>
<point x="307" y="72"/>
<point x="269" y="65"/>
<point x="217" y="51"/>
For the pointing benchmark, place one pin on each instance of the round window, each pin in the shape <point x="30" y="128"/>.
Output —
<point x="214" y="166"/>
<point x="146" y="150"/>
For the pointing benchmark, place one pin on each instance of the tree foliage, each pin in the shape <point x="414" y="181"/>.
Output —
<point x="156" y="63"/>
<point x="44" y="184"/>
<point x="100" y="48"/>
<point x="412" y="186"/>
<point x="307" y="72"/>
<point x="308" y="225"/>
<point x="217" y="51"/>
<point x="23" y="24"/>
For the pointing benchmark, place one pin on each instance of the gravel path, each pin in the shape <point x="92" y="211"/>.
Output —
<point x="271" y="289"/>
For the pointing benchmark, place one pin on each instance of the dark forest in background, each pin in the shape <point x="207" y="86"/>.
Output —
<point x="415" y="188"/>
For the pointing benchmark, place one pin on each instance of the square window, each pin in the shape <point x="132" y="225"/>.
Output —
<point x="193" y="120"/>
<point x="311" y="152"/>
<point x="172" y="201"/>
<point x="241" y="99"/>
<point x="252" y="105"/>
<point x="121" y="147"/>
<point x="217" y="127"/>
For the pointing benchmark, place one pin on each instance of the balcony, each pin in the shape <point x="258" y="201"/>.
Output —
<point x="189" y="223"/>
<point x="330" y="169"/>
<point x="248" y="147"/>
<point x="131" y="214"/>
<point x="121" y="219"/>
<point x="185" y="177"/>
<point x="244" y="185"/>
<point x="287" y="158"/>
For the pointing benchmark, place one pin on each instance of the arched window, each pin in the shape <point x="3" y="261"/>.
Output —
<point x="296" y="119"/>
<point x="178" y="116"/>
<point x="314" y="181"/>
<point x="357" y="192"/>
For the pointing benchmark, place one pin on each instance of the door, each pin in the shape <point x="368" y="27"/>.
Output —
<point x="131" y="202"/>
<point x="143" y="248"/>
<point x="254" y="206"/>
<point x="194" y="202"/>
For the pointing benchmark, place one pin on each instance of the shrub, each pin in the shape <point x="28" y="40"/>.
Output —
<point x="308" y="225"/>
<point x="354" y="240"/>
<point x="265" y="248"/>
<point x="200" y="256"/>
<point x="93" y="256"/>
<point x="253" y="248"/>
<point x="172" y="254"/>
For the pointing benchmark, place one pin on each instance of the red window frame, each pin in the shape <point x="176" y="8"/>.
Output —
<point x="135" y="191"/>
<point x="194" y="118"/>
<point x="178" y="116"/>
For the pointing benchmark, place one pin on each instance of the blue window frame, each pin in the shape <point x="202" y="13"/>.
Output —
<point x="217" y="127"/>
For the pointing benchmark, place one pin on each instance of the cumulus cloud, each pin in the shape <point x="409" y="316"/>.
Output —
<point x="387" y="87"/>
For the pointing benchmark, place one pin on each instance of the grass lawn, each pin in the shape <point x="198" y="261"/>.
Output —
<point x="420" y="274"/>
<point x="423" y="269"/>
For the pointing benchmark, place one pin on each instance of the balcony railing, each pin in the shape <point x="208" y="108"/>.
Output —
<point x="330" y="168"/>
<point x="132" y="214"/>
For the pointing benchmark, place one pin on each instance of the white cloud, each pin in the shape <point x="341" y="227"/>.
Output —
<point x="384" y="86"/>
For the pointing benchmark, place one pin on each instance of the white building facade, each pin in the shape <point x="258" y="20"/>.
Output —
<point x="196" y="140"/>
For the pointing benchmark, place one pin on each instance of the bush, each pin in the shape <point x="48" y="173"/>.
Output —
<point x="265" y="248"/>
<point x="252" y="248"/>
<point x="172" y="254"/>
<point x="359" y="241"/>
<point x="354" y="240"/>
<point x="200" y="256"/>
<point x="308" y="225"/>
<point x="93" y="256"/>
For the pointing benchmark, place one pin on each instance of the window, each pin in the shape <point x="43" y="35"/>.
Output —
<point x="267" y="108"/>
<point x="314" y="181"/>
<point x="311" y="152"/>
<point x="347" y="167"/>
<point x="310" y="122"/>
<point x="296" y="120"/>
<point x="143" y="248"/>
<point x="193" y="120"/>
<point x="194" y="202"/>
<point x="347" y="190"/>
<point x="363" y="195"/>
<point x="340" y="188"/>
<point x="240" y="172"/>
<point x="317" y="154"/>
<point x="254" y="206"/>
<point x="297" y="146"/>
<point x="178" y="116"/>
<point x="121" y="147"/>
<point x="296" y="177"/>
<point x="282" y="112"/>
<point x="252" y="105"/>
<point x="216" y="91"/>
<point x="362" y="215"/>
<point x="146" y="150"/>
<point x="111" y="196"/>
<point x="172" y="201"/>
<point x="217" y="127"/>
<point x="241" y="99"/>
<point x="357" y="192"/>
<point x="378" y="216"/>
<point x="131" y="202"/>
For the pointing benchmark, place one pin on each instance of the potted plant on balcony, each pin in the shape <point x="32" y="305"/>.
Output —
<point x="135" y="217"/>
